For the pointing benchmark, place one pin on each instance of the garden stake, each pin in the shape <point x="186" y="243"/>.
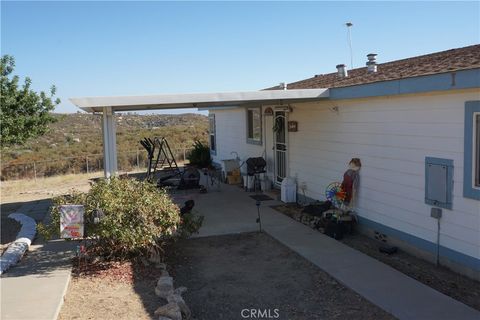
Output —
<point x="259" y="220"/>
<point x="77" y="252"/>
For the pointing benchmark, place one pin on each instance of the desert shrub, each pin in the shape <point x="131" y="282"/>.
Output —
<point x="138" y="217"/>
<point x="200" y="155"/>
<point x="191" y="223"/>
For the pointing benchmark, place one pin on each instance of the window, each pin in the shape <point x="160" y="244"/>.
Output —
<point x="254" y="125"/>
<point x="471" y="178"/>
<point x="213" y="142"/>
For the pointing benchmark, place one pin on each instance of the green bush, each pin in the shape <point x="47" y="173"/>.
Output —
<point x="200" y="155"/>
<point x="191" y="223"/>
<point x="138" y="218"/>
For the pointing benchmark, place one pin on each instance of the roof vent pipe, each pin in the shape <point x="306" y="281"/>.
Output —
<point x="283" y="85"/>
<point x="342" y="71"/>
<point x="372" y="62"/>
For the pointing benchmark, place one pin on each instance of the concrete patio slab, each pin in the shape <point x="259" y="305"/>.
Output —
<point x="232" y="210"/>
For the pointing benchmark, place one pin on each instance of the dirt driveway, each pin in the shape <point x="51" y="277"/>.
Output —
<point x="229" y="276"/>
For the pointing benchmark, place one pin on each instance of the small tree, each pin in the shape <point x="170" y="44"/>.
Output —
<point x="24" y="113"/>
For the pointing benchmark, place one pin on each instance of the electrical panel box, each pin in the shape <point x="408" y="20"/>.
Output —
<point x="438" y="182"/>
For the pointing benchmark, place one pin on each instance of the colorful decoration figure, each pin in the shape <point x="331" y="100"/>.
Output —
<point x="350" y="181"/>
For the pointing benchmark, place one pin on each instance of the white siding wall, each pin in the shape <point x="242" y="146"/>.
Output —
<point x="231" y="135"/>
<point x="392" y="136"/>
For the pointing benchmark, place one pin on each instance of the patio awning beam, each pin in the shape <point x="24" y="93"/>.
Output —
<point x="196" y="100"/>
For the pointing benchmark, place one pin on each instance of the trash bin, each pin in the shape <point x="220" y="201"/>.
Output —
<point x="288" y="190"/>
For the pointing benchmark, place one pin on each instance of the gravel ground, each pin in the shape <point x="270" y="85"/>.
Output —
<point x="111" y="291"/>
<point x="224" y="275"/>
<point x="227" y="274"/>
<point x="440" y="278"/>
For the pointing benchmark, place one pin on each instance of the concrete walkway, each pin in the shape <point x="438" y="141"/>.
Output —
<point x="34" y="288"/>
<point x="233" y="211"/>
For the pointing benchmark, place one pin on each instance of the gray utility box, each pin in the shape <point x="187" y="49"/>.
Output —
<point x="439" y="182"/>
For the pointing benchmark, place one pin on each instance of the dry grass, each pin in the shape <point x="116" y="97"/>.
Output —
<point x="28" y="190"/>
<point x="43" y="188"/>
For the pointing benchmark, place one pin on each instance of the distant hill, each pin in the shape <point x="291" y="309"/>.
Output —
<point x="79" y="135"/>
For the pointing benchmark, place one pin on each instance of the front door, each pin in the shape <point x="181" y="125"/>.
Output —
<point x="280" y="145"/>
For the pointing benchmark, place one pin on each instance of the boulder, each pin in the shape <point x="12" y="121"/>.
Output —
<point x="170" y="310"/>
<point x="180" y="290"/>
<point x="184" y="309"/>
<point x="165" y="273"/>
<point x="164" y="287"/>
<point x="165" y="281"/>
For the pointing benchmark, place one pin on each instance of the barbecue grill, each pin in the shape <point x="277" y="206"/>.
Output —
<point x="256" y="166"/>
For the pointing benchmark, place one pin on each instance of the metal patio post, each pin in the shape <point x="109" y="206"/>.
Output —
<point x="109" y="143"/>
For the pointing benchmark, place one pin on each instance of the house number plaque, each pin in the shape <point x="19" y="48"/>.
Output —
<point x="292" y="126"/>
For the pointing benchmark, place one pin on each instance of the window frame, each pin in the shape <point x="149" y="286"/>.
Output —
<point x="476" y="150"/>
<point x="471" y="152"/>
<point x="251" y="140"/>
<point x="211" y="120"/>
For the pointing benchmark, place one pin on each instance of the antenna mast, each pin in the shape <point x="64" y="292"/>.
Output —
<point x="349" y="37"/>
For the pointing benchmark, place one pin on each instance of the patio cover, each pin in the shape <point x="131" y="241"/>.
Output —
<point x="109" y="105"/>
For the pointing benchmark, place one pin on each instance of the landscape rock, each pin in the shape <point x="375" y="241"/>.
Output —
<point x="170" y="310"/>
<point x="184" y="309"/>
<point x="163" y="292"/>
<point x="176" y="308"/>
<point x="180" y="290"/>
<point x="165" y="281"/>
<point x="165" y="273"/>
<point x="164" y="287"/>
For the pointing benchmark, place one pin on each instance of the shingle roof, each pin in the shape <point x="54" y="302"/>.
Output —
<point x="438" y="62"/>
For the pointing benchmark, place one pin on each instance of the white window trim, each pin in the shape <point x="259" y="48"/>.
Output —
<point x="470" y="189"/>
<point x="475" y="151"/>
<point x="214" y="133"/>
<point x="251" y="140"/>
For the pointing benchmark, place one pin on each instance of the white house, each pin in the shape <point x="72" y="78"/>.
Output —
<point x="415" y="125"/>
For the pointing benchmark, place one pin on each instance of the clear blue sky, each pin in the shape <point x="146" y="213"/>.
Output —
<point x="135" y="48"/>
